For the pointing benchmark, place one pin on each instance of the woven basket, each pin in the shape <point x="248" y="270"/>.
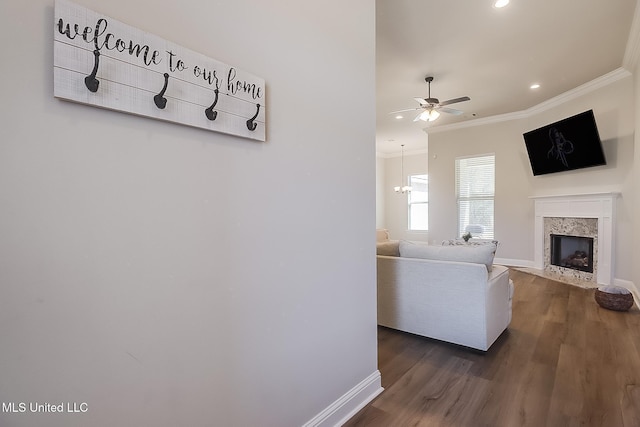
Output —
<point x="617" y="302"/>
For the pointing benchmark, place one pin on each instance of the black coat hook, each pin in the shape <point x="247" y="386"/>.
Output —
<point x="251" y="124"/>
<point x="159" y="99"/>
<point x="211" y="115"/>
<point x="90" y="81"/>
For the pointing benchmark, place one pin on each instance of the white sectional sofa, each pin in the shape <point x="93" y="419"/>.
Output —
<point x="457" y="296"/>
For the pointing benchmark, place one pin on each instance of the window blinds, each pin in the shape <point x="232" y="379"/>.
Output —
<point x="475" y="189"/>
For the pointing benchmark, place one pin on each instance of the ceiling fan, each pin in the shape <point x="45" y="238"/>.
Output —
<point x="430" y="108"/>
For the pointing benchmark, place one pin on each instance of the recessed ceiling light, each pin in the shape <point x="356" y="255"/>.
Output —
<point x="534" y="86"/>
<point x="500" y="3"/>
<point x="399" y="117"/>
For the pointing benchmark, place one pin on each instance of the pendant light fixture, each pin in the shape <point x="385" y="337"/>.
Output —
<point x="402" y="188"/>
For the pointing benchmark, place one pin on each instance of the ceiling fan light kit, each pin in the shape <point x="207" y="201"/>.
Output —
<point x="428" y="115"/>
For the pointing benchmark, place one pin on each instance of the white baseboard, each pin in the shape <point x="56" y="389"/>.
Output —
<point x="514" y="262"/>
<point x="340" y="411"/>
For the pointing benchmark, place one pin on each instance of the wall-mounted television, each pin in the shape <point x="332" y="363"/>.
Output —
<point x="569" y="144"/>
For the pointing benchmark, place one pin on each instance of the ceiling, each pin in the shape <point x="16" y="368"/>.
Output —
<point x="491" y="55"/>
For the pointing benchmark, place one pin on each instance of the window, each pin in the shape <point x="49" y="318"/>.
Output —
<point x="418" y="203"/>
<point x="475" y="189"/>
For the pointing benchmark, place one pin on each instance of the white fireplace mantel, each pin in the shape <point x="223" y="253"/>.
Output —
<point x="601" y="206"/>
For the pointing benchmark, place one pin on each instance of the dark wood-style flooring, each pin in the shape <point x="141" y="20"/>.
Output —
<point x="564" y="361"/>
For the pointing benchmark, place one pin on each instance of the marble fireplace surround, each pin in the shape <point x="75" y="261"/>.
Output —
<point x="579" y="227"/>
<point x="600" y="206"/>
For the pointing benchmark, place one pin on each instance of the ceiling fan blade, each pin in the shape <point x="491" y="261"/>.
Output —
<point x="418" y="117"/>
<point x="453" y="101"/>
<point x="421" y="101"/>
<point x="450" y="110"/>
<point x="404" y="111"/>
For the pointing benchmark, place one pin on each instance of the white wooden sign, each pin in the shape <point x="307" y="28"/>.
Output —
<point x="103" y="62"/>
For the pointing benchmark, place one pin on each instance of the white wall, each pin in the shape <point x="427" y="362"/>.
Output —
<point x="171" y="276"/>
<point x="613" y="107"/>
<point x="395" y="204"/>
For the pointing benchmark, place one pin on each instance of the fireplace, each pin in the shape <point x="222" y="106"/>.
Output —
<point x="585" y="215"/>
<point x="574" y="252"/>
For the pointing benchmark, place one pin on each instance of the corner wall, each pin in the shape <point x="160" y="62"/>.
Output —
<point x="167" y="275"/>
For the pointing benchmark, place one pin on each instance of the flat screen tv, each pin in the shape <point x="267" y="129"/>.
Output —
<point x="569" y="144"/>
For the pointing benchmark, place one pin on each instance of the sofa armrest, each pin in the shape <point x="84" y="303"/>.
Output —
<point x="498" y="302"/>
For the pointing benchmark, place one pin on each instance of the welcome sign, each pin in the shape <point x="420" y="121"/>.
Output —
<point x="102" y="62"/>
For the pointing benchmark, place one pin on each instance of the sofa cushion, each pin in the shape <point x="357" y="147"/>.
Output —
<point x="388" y="248"/>
<point x="477" y="254"/>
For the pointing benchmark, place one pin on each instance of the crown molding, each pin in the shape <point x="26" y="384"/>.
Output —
<point x="600" y="82"/>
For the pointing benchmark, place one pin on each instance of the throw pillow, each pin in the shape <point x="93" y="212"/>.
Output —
<point x="472" y="242"/>
<point x="477" y="254"/>
<point x="382" y="234"/>
<point x="478" y="242"/>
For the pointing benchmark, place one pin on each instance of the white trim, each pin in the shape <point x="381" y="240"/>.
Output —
<point x="602" y="81"/>
<point x="340" y="411"/>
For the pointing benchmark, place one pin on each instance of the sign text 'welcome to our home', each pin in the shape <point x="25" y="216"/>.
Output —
<point x="102" y="62"/>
